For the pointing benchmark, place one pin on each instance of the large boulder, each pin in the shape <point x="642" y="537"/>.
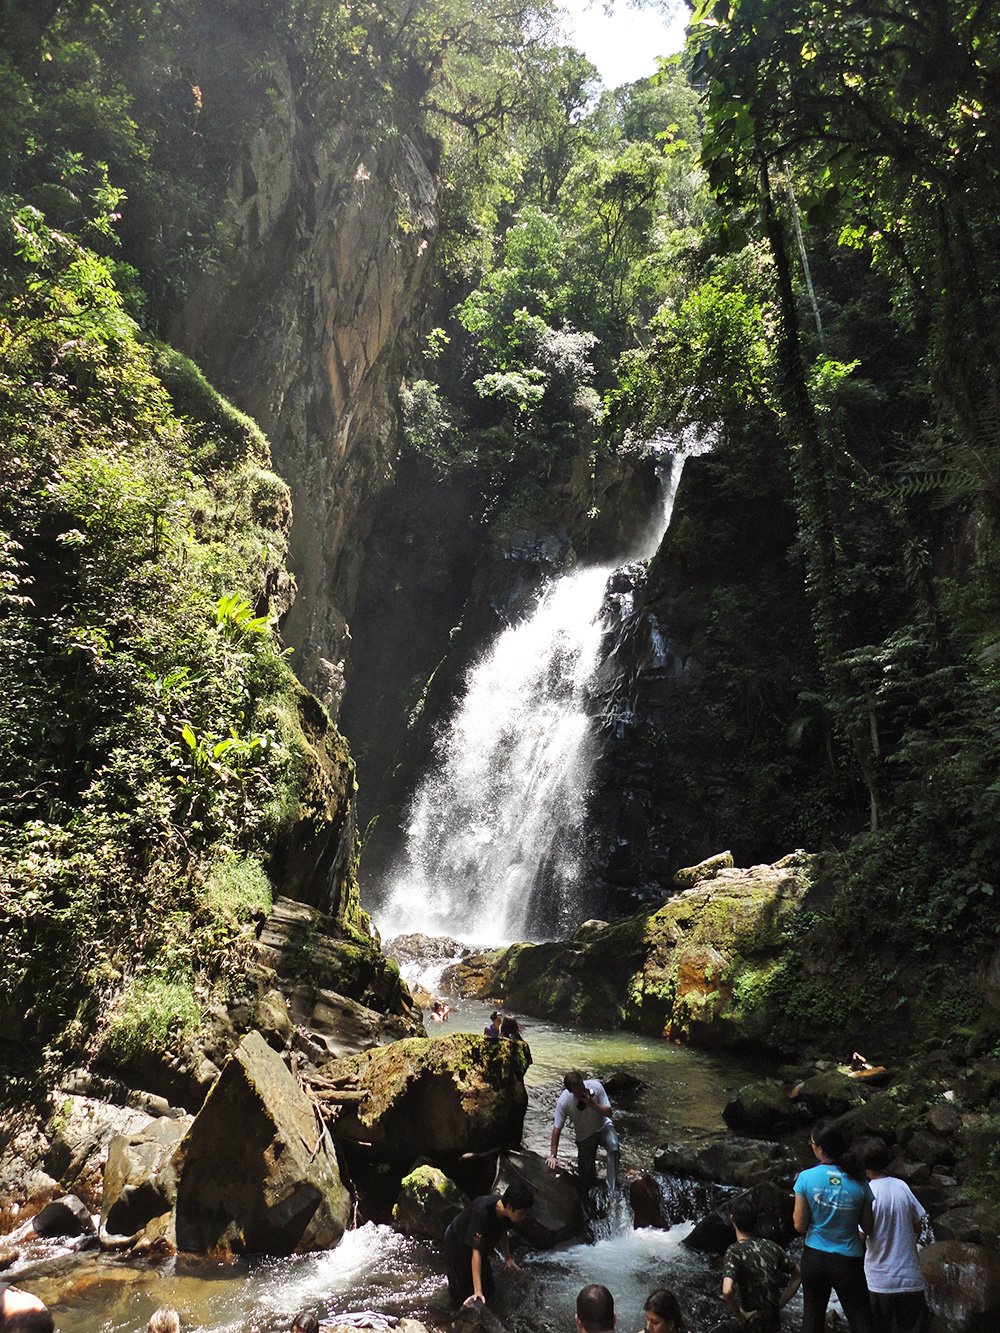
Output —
<point x="427" y="1202"/>
<point x="730" y="1160"/>
<point x="828" y="1094"/>
<point x="963" y="1285"/>
<point x="341" y="1026"/>
<point x="557" y="1214"/>
<point x="257" y="1171"/>
<point x="696" y="969"/>
<point x="714" y="1232"/>
<point x="140" y="1177"/>
<point x="433" y="1096"/>
<point x="80" y="1129"/>
<point x="760" y="1108"/>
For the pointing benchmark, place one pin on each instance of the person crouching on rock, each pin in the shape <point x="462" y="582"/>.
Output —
<point x="20" y="1312"/>
<point x="473" y="1236"/>
<point x="585" y="1102"/>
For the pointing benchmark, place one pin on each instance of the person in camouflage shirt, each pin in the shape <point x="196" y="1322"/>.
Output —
<point x="758" y="1277"/>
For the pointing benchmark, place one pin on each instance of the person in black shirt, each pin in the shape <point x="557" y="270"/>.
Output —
<point x="473" y="1236"/>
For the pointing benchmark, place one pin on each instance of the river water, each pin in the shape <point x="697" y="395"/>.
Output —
<point x="373" y="1268"/>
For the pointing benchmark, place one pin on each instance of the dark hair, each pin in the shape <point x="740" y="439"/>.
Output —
<point x="831" y="1142"/>
<point x="495" y="1015"/>
<point x="595" y="1309"/>
<point x="305" y="1322"/>
<point x="28" y="1321"/>
<point x="510" y="1028"/>
<point x="664" y="1303"/>
<point x="517" y="1195"/>
<point x="574" y="1079"/>
<point x="743" y="1212"/>
<point x="872" y="1153"/>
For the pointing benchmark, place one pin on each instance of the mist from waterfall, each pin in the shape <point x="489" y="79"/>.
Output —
<point x="494" y="835"/>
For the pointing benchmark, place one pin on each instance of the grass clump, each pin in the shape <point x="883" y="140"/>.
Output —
<point x="237" y="888"/>
<point x="152" y="1014"/>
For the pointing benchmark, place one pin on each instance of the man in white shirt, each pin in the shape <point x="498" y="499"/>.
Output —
<point x="585" y="1102"/>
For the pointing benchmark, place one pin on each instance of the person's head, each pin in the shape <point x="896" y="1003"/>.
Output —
<point x="509" y="1027"/>
<point x="830" y="1145"/>
<point x="595" y="1310"/>
<point x="305" y="1322"/>
<point x="164" y="1320"/>
<point x="518" y="1200"/>
<point x="495" y="1017"/>
<point x="872" y="1154"/>
<point x="743" y="1214"/>
<point x="23" y="1312"/>
<point x="663" y="1314"/>
<point x="573" y="1082"/>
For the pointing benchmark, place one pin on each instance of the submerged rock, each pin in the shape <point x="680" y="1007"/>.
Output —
<point x="434" y="1096"/>
<point x="257" y="1172"/>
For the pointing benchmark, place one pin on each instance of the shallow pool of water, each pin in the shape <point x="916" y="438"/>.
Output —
<point x="373" y="1268"/>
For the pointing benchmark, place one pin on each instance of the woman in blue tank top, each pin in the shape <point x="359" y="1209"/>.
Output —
<point x="833" y="1207"/>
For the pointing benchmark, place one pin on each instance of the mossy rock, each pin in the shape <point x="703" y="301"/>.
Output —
<point x="427" y="1202"/>
<point x="760" y="1108"/>
<point x="434" y="1097"/>
<point x="829" y="1094"/>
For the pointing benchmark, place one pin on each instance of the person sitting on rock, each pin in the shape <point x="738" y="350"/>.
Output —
<point x="304" y="1322"/>
<point x="474" y="1234"/>
<point x="511" y="1029"/>
<point x="164" y="1320"/>
<point x="892" y="1268"/>
<point x="585" y="1102"/>
<point x="20" y="1312"/>
<point x="492" y="1028"/>
<point x="595" y="1310"/>
<point x="758" y="1277"/>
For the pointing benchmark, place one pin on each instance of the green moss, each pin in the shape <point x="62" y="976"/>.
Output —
<point x="237" y="888"/>
<point x="225" y="433"/>
<point x="152" y="1014"/>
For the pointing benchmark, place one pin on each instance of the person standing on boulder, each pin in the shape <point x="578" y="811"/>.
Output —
<point x="473" y="1236"/>
<point x="585" y="1102"/>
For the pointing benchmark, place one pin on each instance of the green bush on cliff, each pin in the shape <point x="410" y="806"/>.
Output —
<point x="153" y="746"/>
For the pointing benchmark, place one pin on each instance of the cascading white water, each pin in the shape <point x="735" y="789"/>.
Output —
<point x="494" y="834"/>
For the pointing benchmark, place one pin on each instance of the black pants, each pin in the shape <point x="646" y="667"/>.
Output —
<point x="900" y="1311"/>
<point x="822" y="1273"/>
<point x="458" y="1264"/>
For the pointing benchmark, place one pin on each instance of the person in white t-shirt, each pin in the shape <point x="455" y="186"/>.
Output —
<point x="892" y="1267"/>
<point x="585" y="1103"/>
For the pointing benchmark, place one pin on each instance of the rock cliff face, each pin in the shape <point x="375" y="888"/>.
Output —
<point x="303" y="318"/>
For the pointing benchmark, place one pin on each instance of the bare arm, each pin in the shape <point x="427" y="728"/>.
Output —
<point x="509" y="1261"/>
<point x="794" y="1282"/>
<point x="553" y="1147"/>
<point x="729" y="1296"/>
<point x="867" y="1221"/>
<point x="801" y="1215"/>
<point x="477" y="1279"/>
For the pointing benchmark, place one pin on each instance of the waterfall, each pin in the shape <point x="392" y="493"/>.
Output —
<point x="494" y="835"/>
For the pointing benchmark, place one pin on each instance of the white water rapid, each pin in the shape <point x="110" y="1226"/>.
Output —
<point x="494" y="835"/>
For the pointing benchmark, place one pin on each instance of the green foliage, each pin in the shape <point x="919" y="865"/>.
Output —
<point x="237" y="888"/>
<point x="151" y="1015"/>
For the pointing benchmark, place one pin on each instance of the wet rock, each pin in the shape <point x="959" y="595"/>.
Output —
<point x="438" y="1097"/>
<point x="879" y="1115"/>
<point x="272" y="1188"/>
<point x="558" y="1212"/>
<point x="760" y="1108"/>
<point x="621" y="1083"/>
<point x="140" y="1178"/>
<point x="380" y="1324"/>
<point x="730" y="1160"/>
<point x="976" y="1223"/>
<point x="707" y="869"/>
<point x="473" y="977"/>
<point x="423" y="949"/>
<point x="828" y="1094"/>
<point x="714" y="1232"/>
<point x="963" y="1285"/>
<point x="427" y="1202"/>
<point x="68" y="1216"/>
<point x="646" y="1199"/>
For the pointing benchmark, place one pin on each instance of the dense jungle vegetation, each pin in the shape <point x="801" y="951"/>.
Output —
<point x="785" y="241"/>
